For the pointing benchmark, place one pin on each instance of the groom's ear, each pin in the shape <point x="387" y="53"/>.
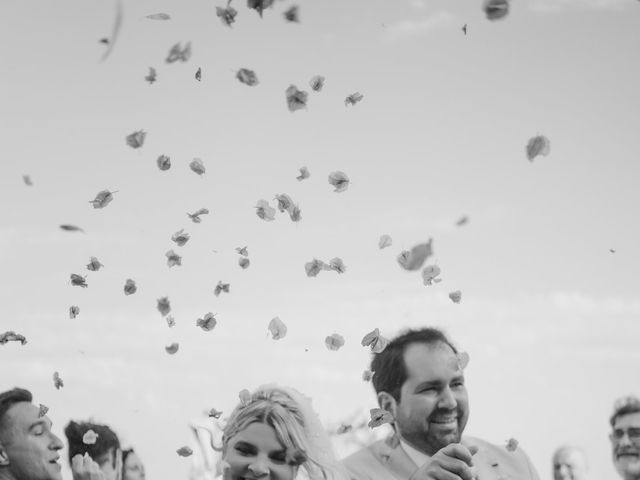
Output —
<point x="4" y="458"/>
<point x="387" y="402"/>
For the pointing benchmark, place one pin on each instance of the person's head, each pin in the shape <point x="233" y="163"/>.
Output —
<point x="28" y="447"/>
<point x="419" y="379"/>
<point x="105" y="451"/>
<point x="569" y="463"/>
<point x="132" y="467"/>
<point x="625" y="437"/>
<point x="266" y="438"/>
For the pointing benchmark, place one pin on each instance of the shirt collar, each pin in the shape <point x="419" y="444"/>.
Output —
<point x="418" y="457"/>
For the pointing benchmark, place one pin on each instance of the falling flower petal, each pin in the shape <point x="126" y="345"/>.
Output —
<point x="343" y="429"/>
<point x="334" y="342"/>
<point x="304" y="173"/>
<point x="245" y="396"/>
<point x="173" y="348"/>
<point x="367" y="375"/>
<point x="265" y="211"/>
<point x="158" y="16"/>
<point x="71" y="228"/>
<point x="314" y="267"/>
<point x="171" y="321"/>
<point x="197" y="166"/>
<point x="11" y="336"/>
<point x="284" y="202"/>
<point x="195" y="216"/>
<point x="379" y="417"/>
<point x="353" y="99"/>
<point x="180" y="237"/>
<point x="248" y="77"/>
<point x="27" y="180"/>
<point x="207" y="323"/>
<point x="296" y="99"/>
<point x="430" y="274"/>
<point x="336" y="264"/>
<point x="384" y="242"/>
<point x="152" y="76"/>
<point x="221" y="287"/>
<point x="244" y="263"/>
<point x="539" y="145"/>
<point x="173" y="259"/>
<point x="184" y="451"/>
<point x="277" y="328"/>
<point x="57" y="381"/>
<point x="462" y="221"/>
<point x="213" y="413"/>
<point x="496" y="9"/>
<point x="227" y="15"/>
<point x="242" y="251"/>
<point x="130" y="287"/>
<point x="42" y="410"/>
<point x="164" y="162"/>
<point x="512" y="445"/>
<point x="455" y="296"/>
<point x="199" y="74"/>
<point x="374" y="340"/>
<point x="103" y="198"/>
<point x="464" y="29"/>
<point x="463" y="360"/>
<point x="94" y="264"/>
<point x="259" y="5"/>
<point x="176" y="53"/>
<point x="90" y="437"/>
<point x="164" y="306"/>
<point x="612" y="250"/>
<point x="291" y="14"/>
<point x="78" y="281"/>
<point x="74" y="311"/>
<point x="295" y="213"/>
<point x="317" y="83"/>
<point x="414" y="259"/>
<point x="136" y="139"/>
<point x="339" y="180"/>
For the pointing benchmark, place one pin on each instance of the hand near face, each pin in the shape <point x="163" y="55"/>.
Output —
<point x="453" y="462"/>
<point x="84" y="468"/>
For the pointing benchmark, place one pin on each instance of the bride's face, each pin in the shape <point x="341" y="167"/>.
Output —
<point x="255" y="453"/>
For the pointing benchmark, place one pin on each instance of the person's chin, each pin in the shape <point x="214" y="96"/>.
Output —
<point x="628" y="464"/>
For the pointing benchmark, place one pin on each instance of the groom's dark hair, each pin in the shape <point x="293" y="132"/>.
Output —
<point x="388" y="367"/>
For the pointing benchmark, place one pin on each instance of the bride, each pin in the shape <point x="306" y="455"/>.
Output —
<point x="276" y="435"/>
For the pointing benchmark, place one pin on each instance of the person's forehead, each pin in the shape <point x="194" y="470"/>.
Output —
<point x="260" y="435"/>
<point x="628" y="420"/>
<point x="24" y="414"/>
<point x="424" y="361"/>
<point x="569" y="456"/>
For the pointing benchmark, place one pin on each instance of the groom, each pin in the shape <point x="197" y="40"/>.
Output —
<point x="419" y="379"/>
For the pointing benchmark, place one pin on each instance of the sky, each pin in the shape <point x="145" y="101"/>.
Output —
<point x="547" y="262"/>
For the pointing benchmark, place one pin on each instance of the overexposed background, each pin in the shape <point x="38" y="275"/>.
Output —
<point x="549" y="314"/>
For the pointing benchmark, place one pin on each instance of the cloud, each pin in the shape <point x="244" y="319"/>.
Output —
<point x="417" y="28"/>
<point x="555" y="6"/>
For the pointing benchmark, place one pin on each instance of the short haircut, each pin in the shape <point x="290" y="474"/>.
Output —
<point x="9" y="398"/>
<point x="390" y="371"/>
<point x="106" y="441"/>
<point x="624" y="406"/>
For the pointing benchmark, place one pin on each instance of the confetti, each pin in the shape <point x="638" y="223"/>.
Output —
<point x="248" y="77"/>
<point x="336" y="264"/>
<point x="265" y="211"/>
<point x="384" y="241"/>
<point x="314" y="267"/>
<point x="462" y="221"/>
<point x="244" y="263"/>
<point x="103" y="198"/>
<point x="379" y="417"/>
<point x="296" y="99"/>
<point x="136" y="139"/>
<point x="464" y="28"/>
<point x="291" y="14"/>
<point x="304" y="173"/>
<point x="277" y="328"/>
<point x="152" y="76"/>
<point x="415" y="258"/>
<point x="207" y="323"/>
<point x="342" y="429"/>
<point x="158" y="16"/>
<point x="539" y="145"/>
<point x="511" y="445"/>
<point x="295" y="214"/>
<point x="164" y="306"/>
<point x="42" y="410"/>
<point x="176" y="53"/>
<point x="184" y="451"/>
<point x="221" y="287"/>
<point x="374" y="340"/>
<point x="496" y="9"/>
<point x="242" y="251"/>
<point x="94" y="264"/>
<point x="74" y="311"/>
<point x="227" y="15"/>
<point x="284" y="202"/>
<point x="259" y="5"/>
<point x="78" y="281"/>
<point x="130" y="287"/>
<point x="27" y="180"/>
<point x="463" y="360"/>
<point x="430" y="273"/>
<point x="172" y="349"/>
<point x="317" y="83"/>
<point x="245" y="396"/>
<point x="339" y="180"/>
<point x="57" y="381"/>
<point x="180" y="237"/>
<point x="213" y="413"/>
<point x="455" y="296"/>
<point x="367" y="375"/>
<point x="90" y="437"/>
<point x="199" y="74"/>
<point x="334" y="342"/>
<point x="11" y="336"/>
<point x="612" y="250"/>
<point x="71" y="228"/>
<point x="164" y="163"/>
<point x="171" y="322"/>
<point x="353" y="99"/>
<point x="197" y="166"/>
<point x="173" y="259"/>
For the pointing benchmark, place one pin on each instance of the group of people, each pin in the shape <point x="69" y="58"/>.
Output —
<point x="275" y="434"/>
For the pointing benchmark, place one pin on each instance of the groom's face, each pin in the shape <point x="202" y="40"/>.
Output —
<point x="433" y="408"/>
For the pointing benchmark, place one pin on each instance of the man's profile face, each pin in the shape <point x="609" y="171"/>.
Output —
<point x="569" y="464"/>
<point x="30" y="445"/>
<point x="433" y="408"/>
<point x="625" y="442"/>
